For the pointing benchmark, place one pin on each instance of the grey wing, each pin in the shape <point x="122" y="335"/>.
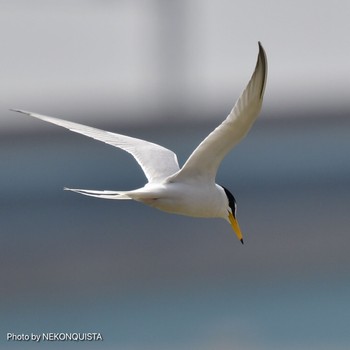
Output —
<point x="206" y="158"/>
<point x="156" y="161"/>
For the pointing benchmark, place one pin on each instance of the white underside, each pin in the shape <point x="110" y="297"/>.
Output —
<point x="177" y="198"/>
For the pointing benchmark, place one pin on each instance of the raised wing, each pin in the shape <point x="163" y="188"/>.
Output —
<point x="206" y="158"/>
<point x="156" y="161"/>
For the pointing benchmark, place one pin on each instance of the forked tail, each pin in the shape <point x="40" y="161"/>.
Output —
<point x="100" y="194"/>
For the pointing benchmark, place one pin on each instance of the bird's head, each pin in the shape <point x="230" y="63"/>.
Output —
<point x="231" y="213"/>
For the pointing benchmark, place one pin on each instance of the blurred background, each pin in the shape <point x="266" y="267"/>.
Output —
<point x="169" y="72"/>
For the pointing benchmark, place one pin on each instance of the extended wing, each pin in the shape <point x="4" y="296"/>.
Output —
<point x="156" y="161"/>
<point x="206" y="158"/>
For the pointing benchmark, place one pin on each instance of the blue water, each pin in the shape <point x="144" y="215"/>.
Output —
<point x="272" y="315"/>
<point x="150" y="280"/>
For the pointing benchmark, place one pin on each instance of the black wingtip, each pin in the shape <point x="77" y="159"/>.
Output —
<point x="261" y="47"/>
<point x="263" y="59"/>
<point x="18" y="111"/>
<point x="242" y="240"/>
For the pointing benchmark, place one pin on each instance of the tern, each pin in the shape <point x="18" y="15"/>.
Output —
<point x="190" y="190"/>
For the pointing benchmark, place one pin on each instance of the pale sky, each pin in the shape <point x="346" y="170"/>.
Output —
<point x="133" y="59"/>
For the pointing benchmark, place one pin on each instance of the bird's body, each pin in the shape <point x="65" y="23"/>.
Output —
<point x="169" y="196"/>
<point x="190" y="190"/>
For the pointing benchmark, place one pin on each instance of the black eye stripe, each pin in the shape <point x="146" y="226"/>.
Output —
<point x="231" y="201"/>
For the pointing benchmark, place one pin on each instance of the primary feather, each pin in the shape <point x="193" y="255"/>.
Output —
<point x="157" y="162"/>
<point x="204" y="161"/>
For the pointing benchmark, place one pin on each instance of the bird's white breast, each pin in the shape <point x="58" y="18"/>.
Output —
<point x="185" y="199"/>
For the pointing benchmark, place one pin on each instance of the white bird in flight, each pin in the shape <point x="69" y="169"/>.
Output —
<point x="190" y="190"/>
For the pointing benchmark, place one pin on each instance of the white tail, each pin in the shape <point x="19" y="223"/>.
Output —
<point x="100" y="194"/>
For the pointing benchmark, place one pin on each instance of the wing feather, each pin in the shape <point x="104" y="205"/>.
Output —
<point x="156" y="161"/>
<point x="204" y="161"/>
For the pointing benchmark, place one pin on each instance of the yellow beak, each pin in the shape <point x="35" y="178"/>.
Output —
<point x="235" y="226"/>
